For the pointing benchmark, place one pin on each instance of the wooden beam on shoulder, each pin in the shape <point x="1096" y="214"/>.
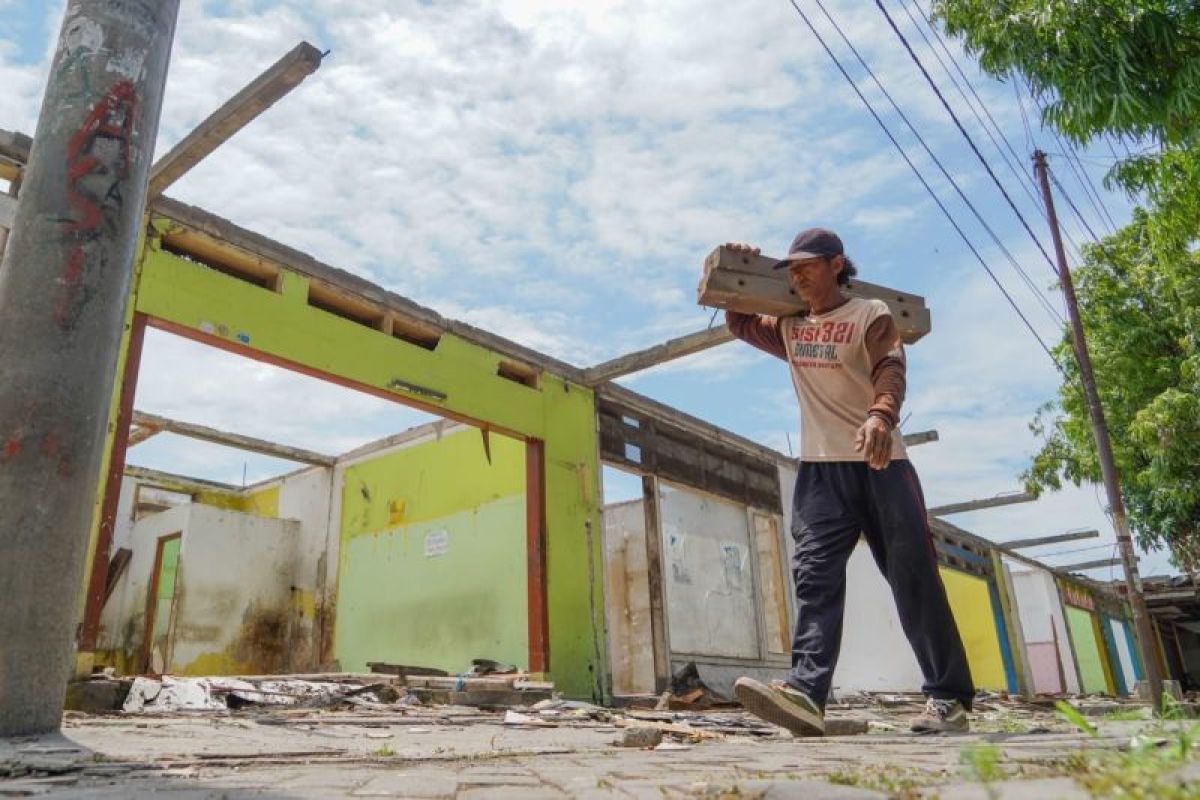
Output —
<point x="248" y="443"/>
<point x="1070" y="536"/>
<point x="658" y="354"/>
<point x="259" y="95"/>
<point x="987" y="502"/>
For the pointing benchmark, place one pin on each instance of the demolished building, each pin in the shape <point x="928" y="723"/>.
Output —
<point x="507" y="549"/>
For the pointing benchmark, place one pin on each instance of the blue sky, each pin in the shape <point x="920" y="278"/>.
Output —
<point x="556" y="171"/>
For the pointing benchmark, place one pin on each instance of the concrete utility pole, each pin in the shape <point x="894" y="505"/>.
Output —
<point x="64" y="285"/>
<point x="1108" y="467"/>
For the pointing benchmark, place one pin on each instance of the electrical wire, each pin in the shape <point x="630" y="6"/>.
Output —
<point x="1071" y="203"/>
<point x="1029" y="187"/>
<point x="1024" y="180"/>
<point x="958" y="124"/>
<point x="891" y="137"/>
<point x="1041" y="297"/>
<point x="1081" y="176"/>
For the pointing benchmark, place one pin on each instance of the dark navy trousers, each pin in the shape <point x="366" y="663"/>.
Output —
<point x="835" y="501"/>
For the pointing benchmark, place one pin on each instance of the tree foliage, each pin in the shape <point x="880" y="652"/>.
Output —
<point x="1130" y="69"/>
<point x="1141" y="325"/>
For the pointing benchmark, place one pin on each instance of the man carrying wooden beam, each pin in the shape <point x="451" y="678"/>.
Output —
<point x="848" y="368"/>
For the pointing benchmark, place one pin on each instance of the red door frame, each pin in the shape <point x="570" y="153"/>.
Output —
<point x="535" y="477"/>
<point x="97" y="581"/>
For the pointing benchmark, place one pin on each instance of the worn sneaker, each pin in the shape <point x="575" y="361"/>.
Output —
<point x="782" y="705"/>
<point x="941" y="716"/>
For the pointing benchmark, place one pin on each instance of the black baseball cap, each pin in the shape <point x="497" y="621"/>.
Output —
<point x="812" y="243"/>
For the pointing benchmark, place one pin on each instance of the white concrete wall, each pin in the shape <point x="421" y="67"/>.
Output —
<point x="234" y="602"/>
<point x="709" y="581"/>
<point x="1042" y="621"/>
<point x="876" y="656"/>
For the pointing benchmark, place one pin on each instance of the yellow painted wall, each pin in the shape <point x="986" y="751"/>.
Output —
<point x="401" y="603"/>
<point x="971" y="604"/>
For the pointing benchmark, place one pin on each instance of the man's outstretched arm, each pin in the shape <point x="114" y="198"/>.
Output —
<point x="758" y="330"/>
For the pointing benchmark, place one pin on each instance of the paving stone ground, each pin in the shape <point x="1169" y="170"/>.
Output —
<point x="448" y="753"/>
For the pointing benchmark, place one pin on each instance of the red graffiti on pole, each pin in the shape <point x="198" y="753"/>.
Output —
<point x="98" y="160"/>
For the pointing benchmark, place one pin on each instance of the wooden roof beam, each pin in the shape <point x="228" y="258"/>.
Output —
<point x="177" y="483"/>
<point x="245" y="106"/>
<point x="238" y="441"/>
<point x="987" y="502"/>
<point x="140" y="433"/>
<point x="1097" y="564"/>
<point x="658" y="354"/>
<point x="920" y="437"/>
<point x="1069" y="536"/>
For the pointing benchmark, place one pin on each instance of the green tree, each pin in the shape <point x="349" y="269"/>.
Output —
<point x="1128" y="68"/>
<point x="1140" y="323"/>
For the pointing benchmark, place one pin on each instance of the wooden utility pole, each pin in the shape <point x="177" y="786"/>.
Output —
<point x="64" y="287"/>
<point x="1108" y="467"/>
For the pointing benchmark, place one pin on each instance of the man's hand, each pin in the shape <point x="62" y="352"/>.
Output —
<point x="874" y="441"/>
<point x="739" y="247"/>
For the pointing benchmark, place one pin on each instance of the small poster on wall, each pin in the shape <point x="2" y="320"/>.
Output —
<point x="437" y="543"/>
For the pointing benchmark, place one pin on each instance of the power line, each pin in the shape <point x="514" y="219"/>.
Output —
<point x="958" y="123"/>
<point x="1009" y="162"/>
<point x="1089" y="188"/>
<point x="1071" y="203"/>
<point x="1081" y="177"/>
<point x="887" y="132"/>
<point x="945" y="173"/>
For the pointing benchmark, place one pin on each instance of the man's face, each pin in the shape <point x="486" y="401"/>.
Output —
<point x="815" y="277"/>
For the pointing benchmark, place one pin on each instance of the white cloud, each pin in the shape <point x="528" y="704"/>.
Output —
<point x="556" y="171"/>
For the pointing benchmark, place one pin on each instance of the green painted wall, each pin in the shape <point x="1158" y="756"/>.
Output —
<point x="400" y="602"/>
<point x="1087" y="651"/>
<point x="214" y="307"/>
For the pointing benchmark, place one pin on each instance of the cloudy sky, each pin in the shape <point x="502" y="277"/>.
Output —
<point x="556" y="170"/>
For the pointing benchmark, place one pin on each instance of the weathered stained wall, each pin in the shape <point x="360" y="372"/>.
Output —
<point x="1045" y="629"/>
<point x="432" y="563"/>
<point x="627" y="596"/>
<point x="709" y="580"/>
<point x="235" y="610"/>
<point x="122" y="623"/>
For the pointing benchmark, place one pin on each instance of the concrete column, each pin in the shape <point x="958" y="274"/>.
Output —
<point x="64" y="285"/>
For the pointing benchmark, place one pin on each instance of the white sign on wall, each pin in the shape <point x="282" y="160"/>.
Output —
<point x="437" y="543"/>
